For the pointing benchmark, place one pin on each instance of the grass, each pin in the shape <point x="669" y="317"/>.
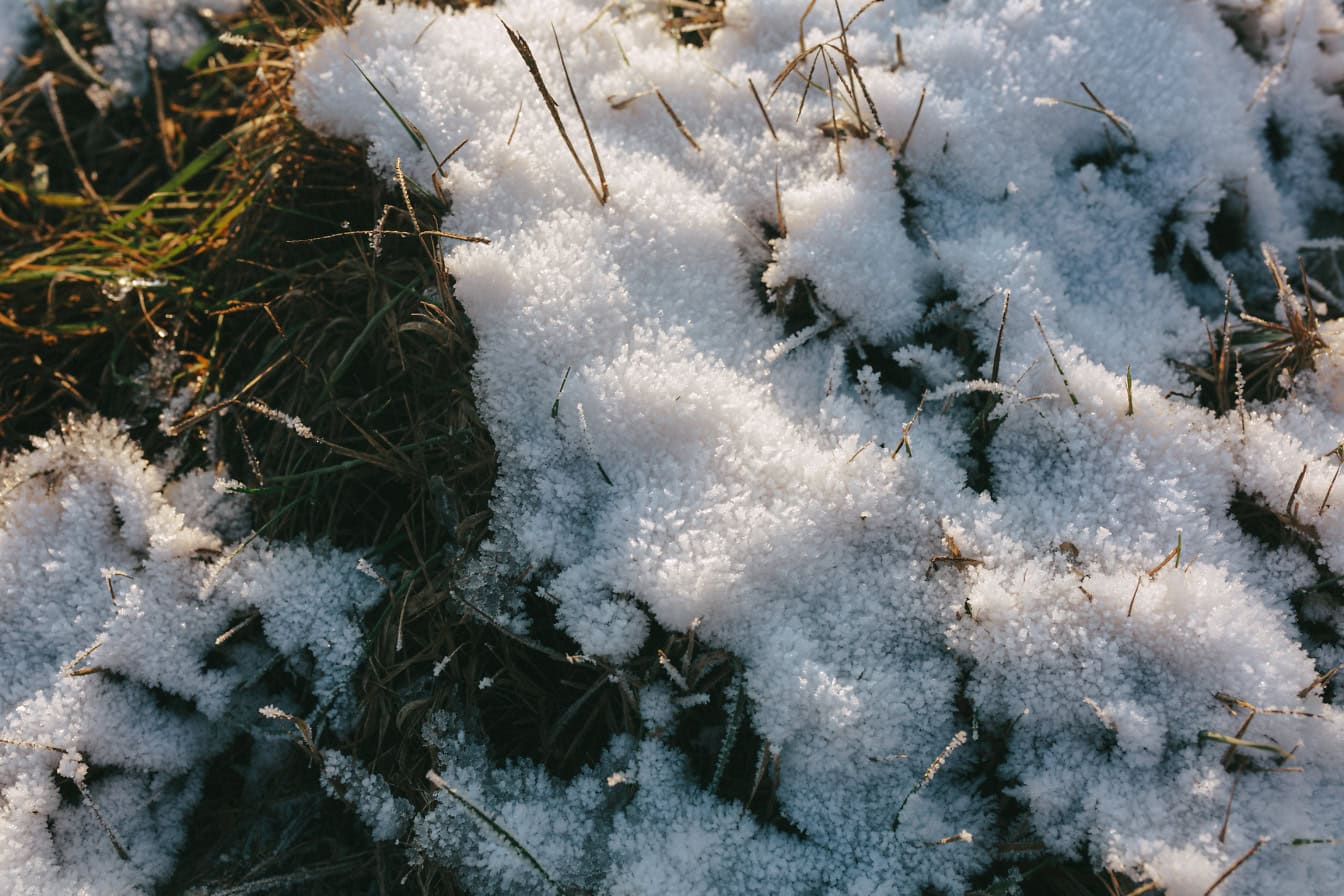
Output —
<point x="179" y="245"/>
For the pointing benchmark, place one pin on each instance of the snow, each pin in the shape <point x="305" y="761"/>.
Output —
<point x="114" y="585"/>
<point x="167" y="30"/>
<point x="906" y="424"/>
<point x="705" y="462"/>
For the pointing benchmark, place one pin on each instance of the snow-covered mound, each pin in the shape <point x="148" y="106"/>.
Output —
<point x="702" y="362"/>
<point x="114" y="585"/>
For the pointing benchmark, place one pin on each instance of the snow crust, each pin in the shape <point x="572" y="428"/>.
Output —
<point x="114" y="585"/>
<point x="701" y="461"/>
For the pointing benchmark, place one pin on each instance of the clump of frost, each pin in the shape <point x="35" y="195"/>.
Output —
<point x="17" y="23"/>
<point x="169" y="31"/>
<point x="671" y="446"/>
<point x="114" y="585"/>
<point x="384" y="813"/>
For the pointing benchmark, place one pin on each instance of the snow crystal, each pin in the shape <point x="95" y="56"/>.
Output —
<point x="114" y="585"/>
<point x="706" y="397"/>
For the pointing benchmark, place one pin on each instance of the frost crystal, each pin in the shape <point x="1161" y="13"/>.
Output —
<point x="114" y="585"/>
<point x="732" y="443"/>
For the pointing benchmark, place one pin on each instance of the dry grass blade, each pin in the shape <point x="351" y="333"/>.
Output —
<point x="1121" y="125"/>
<point x="760" y="105"/>
<point x="1235" y="865"/>
<point x="517" y="116"/>
<point x="676" y="120"/>
<point x="102" y="821"/>
<point x="520" y="44"/>
<point x="1174" y="555"/>
<point x="588" y="134"/>
<point x="1099" y="107"/>
<point x="910" y="131"/>
<point x="1273" y="353"/>
<point x="1279" y="67"/>
<point x="998" y="342"/>
<point x="1060" y="370"/>
<point x="47" y="85"/>
<point x="957" y="741"/>
<point x="1130" y="612"/>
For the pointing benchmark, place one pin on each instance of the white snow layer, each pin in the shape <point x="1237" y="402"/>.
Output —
<point x="114" y="585"/>
<point x="705" y="462"/>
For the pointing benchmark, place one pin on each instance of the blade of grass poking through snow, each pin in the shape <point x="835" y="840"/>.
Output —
<point x="504" y="834"/>
<point x="587" y="133"/>
<point x="764" y="114"/>
<point x="914" y="120"/>
<point x="525" y="51"/>
<point x="998" y="341"/>
<point x="1238" y="742"/>
<point x="1100" y="108"/>
<point x="1036" y="317"/>
<point x="675" y="120"/>
<point x="417" y="138"/>
<point x="1174" y="555"/>
<point x="555" y="405"/>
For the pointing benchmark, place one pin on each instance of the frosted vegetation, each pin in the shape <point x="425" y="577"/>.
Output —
<point x="945" y="367"/>
<point x="115" y="584"/>
<point x="706" y="393"/>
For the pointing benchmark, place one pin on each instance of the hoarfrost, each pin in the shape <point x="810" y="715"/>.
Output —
<point x="716" y="456"/>
<point x="114" y="584"/>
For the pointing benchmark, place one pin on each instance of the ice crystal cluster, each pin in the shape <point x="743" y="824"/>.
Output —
<point x="739" y="436"/>
<point x="114" y="584"/>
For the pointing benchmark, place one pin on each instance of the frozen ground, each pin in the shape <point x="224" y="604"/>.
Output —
<point x="886" y="578"/>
